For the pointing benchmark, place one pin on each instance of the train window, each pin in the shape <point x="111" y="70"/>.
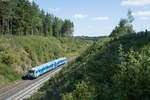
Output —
<point x="31" y="71"/>
<point x="45" y="68"/>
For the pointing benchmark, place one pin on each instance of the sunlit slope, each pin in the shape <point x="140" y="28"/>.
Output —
<point x="111" y="69"/>
<point x="20" y="53"/>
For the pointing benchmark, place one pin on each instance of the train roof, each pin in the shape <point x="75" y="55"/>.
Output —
<point x="52" y="62"/>
<point x="59" y="59"/>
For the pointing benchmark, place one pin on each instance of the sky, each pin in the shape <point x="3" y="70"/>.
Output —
<point x="98" y="17"/>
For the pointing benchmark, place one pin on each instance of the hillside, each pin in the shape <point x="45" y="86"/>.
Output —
<point x="111" y="69"/>
<point x="20" y="53"/>
<point x="91" y="38"/>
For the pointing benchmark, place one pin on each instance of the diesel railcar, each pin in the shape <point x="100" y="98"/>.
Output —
<point x="39" y="70"/>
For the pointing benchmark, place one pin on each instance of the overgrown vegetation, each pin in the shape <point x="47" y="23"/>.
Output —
<point x="111" y="69"/>
<point x="20" y="53"/>
<point x="124" y="27"/>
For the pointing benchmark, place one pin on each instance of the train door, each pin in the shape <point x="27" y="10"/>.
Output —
<point x="37" y="73"/>
<point x="55" y="64"/>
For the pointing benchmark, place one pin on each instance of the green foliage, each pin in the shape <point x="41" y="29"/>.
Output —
<point x="67" y="28"/>
<point x="124" y="27"/>
<point x="81" y="92"/>
<point x="130" y="16"/>
<point x="111" y="69"/>
<point x="31" y="54"/>
<point x="7" y="75"/>
<point x="20" y="53"/>
<point x="2" y="47"/>
<point x="20" y="17"/>
<point x="9" y="59"/>
<point x="27" y="49"/>
<point x="133" y="79"/>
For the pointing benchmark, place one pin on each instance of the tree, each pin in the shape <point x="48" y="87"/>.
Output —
<point x="20" y="17"/>
<point x="130" y="20"/>
<point x="121" y="29"/>
<point x="130" y="16"/>
<point x="34" y="12"/>
<point x="4" y="16"/>
<point x="67" y="28"/>
<point x="124" y="27"/>
<point x="48" y="28"/>
<point x="57" y="26"/>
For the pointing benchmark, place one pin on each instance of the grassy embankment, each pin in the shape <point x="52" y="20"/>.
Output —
<point x="111" y="69"/>
<point x="20" y="53"/>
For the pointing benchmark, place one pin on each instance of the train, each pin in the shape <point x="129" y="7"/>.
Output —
<point x="39" y="70"/>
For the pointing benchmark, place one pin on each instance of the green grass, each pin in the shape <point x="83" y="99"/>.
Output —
<point x="111" y="69"/>
<point x="20" y="53"/>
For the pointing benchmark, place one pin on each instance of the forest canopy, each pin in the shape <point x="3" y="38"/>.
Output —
<point x="20" y="17"/>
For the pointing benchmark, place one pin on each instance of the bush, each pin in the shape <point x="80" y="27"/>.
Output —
<point x="27" y="49"/>
<point x="8" y="73"/>
<point x="9" y="59"/>
<point x="2" y="47"/>
<point x="81" y="92"/>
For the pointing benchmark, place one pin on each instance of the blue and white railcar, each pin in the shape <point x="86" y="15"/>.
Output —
<point x="39" y="70"/>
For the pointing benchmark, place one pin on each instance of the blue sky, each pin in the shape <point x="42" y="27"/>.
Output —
<point x="98" y="17"/>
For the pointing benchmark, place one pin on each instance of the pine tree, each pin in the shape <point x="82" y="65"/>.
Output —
<point x="20" y="17"/>
<point x="67" y="28"/>
<point x="4" y="16"/>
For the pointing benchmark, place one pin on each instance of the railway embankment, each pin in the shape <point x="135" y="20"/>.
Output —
<point x="111" y="69"/>
<point x="20" y="53"/>
<point x="26" y="88"/>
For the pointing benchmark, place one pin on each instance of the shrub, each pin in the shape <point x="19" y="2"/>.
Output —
<point x="27" y="49"/>
<point x="2" y="47"/>
<point x="9" y="59"/>
<point x="8" y="73"/>
<point x="81" y="92"/>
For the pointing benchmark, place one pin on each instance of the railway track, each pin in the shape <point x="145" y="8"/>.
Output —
<point x="25" y="88"/>
<point x="15" y="87"/>
<point x="31" y="89"/>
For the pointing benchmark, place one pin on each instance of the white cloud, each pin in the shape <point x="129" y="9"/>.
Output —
<point x="53" y="10"/>
<point x="135" y="2"/>
<point x="142" y="13"/>
<point x="80" y="16"/>
<point x="32" y="0"/>
<point x="144" y="18"/>
<point x="101" y="18"/>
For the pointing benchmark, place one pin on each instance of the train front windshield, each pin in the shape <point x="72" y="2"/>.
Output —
<point x="31" y="72"/>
